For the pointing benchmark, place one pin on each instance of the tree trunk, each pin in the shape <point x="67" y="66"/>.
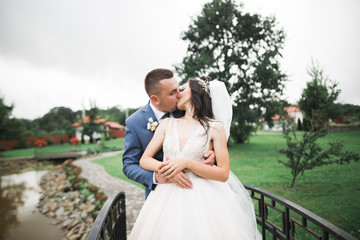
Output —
<point x="293" y="182"/>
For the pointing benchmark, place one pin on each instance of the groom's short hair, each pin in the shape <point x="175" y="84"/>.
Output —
<point x="152" y="79"/>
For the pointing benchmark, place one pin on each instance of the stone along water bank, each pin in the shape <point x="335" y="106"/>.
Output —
<point x="70" y="200"/>
<point x="20" y="218"/>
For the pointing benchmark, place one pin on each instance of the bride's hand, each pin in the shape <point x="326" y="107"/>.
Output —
<point x="182" y="181"/>
<point x="169" y="169"/>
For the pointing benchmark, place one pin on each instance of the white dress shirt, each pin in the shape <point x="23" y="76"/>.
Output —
<point x="158" y="113"/>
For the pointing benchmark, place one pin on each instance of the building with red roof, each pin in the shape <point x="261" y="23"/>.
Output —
<point x="293" y="112"/>
<point x="112" y="129"/>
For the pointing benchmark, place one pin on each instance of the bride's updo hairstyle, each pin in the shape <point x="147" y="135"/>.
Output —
<point x="200" y="100"/>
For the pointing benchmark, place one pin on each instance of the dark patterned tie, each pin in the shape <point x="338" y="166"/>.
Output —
<point x="165" y="116"/>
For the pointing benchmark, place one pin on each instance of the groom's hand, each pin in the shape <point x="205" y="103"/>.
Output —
<point x="160" y="179"/>
<point x="181" y="180"/>
<point x="209" y="158"/>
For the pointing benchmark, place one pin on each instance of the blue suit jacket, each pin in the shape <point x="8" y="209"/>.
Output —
<point x="137" y="137"/>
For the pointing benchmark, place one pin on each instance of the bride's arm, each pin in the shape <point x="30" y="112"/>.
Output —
<point x="147" y="161"/>
<point x="219" y="173"/>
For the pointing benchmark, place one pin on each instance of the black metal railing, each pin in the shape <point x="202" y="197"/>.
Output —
<point x="111" y="221"/>
<point x="282" y="219"/>
<point x="276" y="217"/>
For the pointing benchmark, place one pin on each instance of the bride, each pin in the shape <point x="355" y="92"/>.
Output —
<point x="216" y="206"/>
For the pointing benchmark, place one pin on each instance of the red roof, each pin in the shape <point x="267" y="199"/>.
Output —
<point x="86" y="119"/>
<point x="292" y="109"/>
<point x="277" y="117"/>
<point x="288" y="109"/>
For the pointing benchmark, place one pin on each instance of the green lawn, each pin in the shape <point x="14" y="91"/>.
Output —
<point x="332" y="192"/>
<point x="114" y="166"/>
<point x="60" y="148"/>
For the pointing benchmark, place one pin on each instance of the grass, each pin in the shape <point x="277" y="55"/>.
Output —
<point x="332" y="192"/>
<point x="59" y="148"/>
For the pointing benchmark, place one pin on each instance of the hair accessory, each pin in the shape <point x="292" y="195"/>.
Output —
<point x="204" y="84"/>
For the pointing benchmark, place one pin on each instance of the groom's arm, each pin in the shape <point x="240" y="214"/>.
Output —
<point x="131" y="158"/>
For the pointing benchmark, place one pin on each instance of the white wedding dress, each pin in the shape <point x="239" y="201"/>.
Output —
<point x="211" y="210"/>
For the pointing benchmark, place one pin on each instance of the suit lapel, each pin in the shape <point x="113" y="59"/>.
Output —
<point x="148" y="113"/>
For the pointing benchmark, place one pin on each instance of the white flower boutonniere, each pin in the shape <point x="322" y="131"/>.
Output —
<point x="152" y="125"/>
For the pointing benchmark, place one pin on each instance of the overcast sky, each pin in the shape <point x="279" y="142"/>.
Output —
<point x="68" y="53"/>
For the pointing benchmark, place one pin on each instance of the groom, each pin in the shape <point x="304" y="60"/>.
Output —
<point x="162" y="88"/>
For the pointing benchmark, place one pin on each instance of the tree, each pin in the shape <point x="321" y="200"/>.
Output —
<point x="349" y="111"/>
<point x="241" y="50"/>
<point x="10" y="128"/>
<point x="317" y="99"/>
<point x="5" y="113"/>
<point x="93" y="124"/>
<point x="113" y="114"/>
<point x="299" y="125"/>
<point x="58" y="119"/>
<point x="305" y="153"/>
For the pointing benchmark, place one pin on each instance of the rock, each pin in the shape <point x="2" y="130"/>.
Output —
<point x="91" y="208"/>
<point x="70" y="233"/>
<point x="60" y="211"/>
<point x="84" y="236"/>
<point x="51" y="214"/>
<point x="82" y="228"/>
<point x="76" y="236"/>
<point x="67" y="207"/>
<point x="45" y="210"/>
<point x="75" y="215"/>
<point x="91" y="198"/>
<point x="67" y="222"/>
<point x="53" y="206"/>
<point x="72" y="224"/>
<point x="82" y="207"/>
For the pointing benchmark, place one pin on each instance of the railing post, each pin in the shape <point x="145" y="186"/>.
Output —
<point x="288" y="226"/>
<point x="122" y="216"/>
<point x="287" y="223"/>
<point x="111" y="220"/>
<point x="263" y="219"/>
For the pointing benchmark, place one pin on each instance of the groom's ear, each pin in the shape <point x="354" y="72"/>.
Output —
<point x="155" y="100"/>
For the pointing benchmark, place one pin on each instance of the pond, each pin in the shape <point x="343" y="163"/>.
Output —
<point x="20" y="218"/>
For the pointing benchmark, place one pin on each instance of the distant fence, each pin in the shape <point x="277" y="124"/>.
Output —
<point x="29" y="141"/>
<point x="342" y="128"/>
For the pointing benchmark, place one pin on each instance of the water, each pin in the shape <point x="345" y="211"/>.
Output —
<point x="19" y="217"/>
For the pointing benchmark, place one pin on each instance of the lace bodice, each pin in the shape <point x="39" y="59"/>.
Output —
<point x="195" y="147"/>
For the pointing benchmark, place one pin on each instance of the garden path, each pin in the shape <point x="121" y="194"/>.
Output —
<point x="96" y="175"/>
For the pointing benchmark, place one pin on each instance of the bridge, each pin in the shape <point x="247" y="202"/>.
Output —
<point x="60" y="156"/>
<point x="277" y="218"/>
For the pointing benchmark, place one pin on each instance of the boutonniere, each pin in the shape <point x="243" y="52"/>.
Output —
<point x="152" y="125"/>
